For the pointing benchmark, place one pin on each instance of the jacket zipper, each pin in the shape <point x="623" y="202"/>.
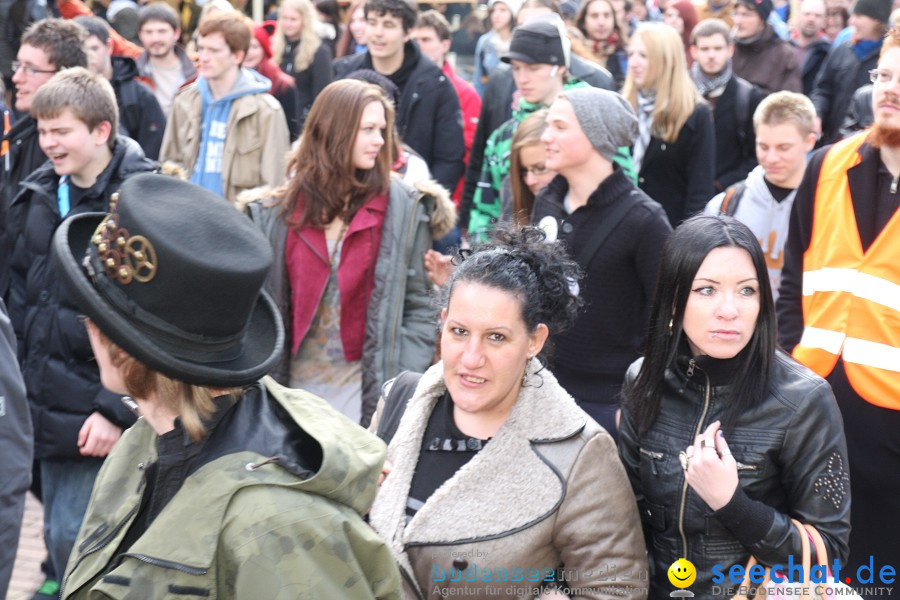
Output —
<point x="684" y="486"/>
<point x="653" y="456"/>
<point x="167" y="564"/>
<point x="99" y="546"/>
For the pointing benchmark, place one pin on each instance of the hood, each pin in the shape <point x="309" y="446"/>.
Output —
<point x="325" y="453"/>
<point x="123" y="68"/>
<point x="248" y="82"/>
<point x="523" y="108"/>
<point x="443" y="218"/>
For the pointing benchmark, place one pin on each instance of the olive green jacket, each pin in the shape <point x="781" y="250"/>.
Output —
<point x="277" y="522"/>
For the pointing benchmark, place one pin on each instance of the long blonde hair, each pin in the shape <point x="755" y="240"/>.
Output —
<point x="667" y="75"/>
<point x="309" y="39"/>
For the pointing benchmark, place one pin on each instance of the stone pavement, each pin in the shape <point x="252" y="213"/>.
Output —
<point x="26" y="577"/>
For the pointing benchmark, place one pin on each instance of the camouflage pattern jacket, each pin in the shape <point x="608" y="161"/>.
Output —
<point x="271" y="509"/>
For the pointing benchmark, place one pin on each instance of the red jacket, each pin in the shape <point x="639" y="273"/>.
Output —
<point x="308" y="267"/>
<point x="470" y="103"/>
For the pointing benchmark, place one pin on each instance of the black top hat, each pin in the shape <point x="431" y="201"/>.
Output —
<point x="174" y="276"/>
<point x="537" y="42"/>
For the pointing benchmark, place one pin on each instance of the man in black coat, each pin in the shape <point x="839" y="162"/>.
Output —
<point x="847" y="67"/>
<point x="734" y="100"/>
<point x="429" y="119"/>
<point x="812" y="44"/>
<point x="140" y="116"/>
<point x="46" y="47"/>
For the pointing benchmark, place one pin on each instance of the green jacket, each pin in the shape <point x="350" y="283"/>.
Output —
<point x="273" y="509"/>
<point x="486" y="206"/>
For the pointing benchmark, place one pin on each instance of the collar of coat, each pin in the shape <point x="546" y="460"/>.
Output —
<point x="506" y="487"/>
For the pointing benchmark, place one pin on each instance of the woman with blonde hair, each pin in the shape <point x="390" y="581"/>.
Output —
<point x="349" y="242"/>
<point x="675" y="149"/>
<point x="299" y="50"/>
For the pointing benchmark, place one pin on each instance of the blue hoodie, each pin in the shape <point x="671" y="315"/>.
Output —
<point x="208" y="168"/>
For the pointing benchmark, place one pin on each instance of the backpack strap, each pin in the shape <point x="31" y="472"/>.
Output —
<point x="742" y="108"/>
<point x="732" y="199"/>
<point x="601" y="234"/>
<point x="397" y="393"/>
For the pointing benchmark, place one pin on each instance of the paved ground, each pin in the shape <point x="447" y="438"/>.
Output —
<point x="26" y="576"/>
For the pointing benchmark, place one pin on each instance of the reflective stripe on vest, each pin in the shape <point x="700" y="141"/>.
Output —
<point x="851" y="298"/>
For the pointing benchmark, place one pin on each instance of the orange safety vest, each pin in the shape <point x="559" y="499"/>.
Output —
<point x="851" y="298"/>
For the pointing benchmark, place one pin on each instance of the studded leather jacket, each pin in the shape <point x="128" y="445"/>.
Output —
<point x="791" y="457"/>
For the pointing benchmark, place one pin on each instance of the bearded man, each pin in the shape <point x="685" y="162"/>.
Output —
<point x="839" y="310"/>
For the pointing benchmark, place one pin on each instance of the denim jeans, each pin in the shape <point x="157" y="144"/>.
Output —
<point x="66" y="489"/>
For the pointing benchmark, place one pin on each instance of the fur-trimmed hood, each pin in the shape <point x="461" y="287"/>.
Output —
<point x="443" y="218"/>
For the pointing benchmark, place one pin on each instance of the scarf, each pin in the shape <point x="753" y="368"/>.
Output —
<point x="707" y="84"/>
<point x="645" y="105"/>
<point x="863" y="48"/>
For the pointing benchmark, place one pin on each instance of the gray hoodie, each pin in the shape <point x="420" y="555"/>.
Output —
<point x="767" y="219"/>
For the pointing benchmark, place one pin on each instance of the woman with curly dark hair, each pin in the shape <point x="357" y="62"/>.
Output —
<point x="490" y="410"/>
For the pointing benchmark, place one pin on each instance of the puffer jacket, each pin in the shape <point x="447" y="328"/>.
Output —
<point x="400" y="319"/>
<point x="282" y="504"/>
<point x="791" y="455"/>
<point x="140" y="116"/>
<point x="60" y="372"/>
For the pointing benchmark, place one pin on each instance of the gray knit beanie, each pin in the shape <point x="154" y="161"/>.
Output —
<point x="606" y="118"/>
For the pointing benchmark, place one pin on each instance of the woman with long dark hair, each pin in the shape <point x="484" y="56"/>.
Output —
<point x="596" y="19"/>
<point x="725" y="437"/>
<point x="349" y="241"/>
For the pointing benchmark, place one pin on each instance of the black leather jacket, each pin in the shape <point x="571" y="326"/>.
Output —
<point x="792" y="460"/>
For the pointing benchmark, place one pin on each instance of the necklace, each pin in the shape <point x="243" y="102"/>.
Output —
<point x="337" y="241"/>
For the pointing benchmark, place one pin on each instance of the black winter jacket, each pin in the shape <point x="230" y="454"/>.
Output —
<point x="681" y="175"/>
<point x="24" y="156"/>
<point x="429" y="118"/>
<point x="60" y="372"/>
<point x="735" y="142"/>
<point x="618" y="285"/>
<point x="311" y="80"/>
<point x="816" y="53"/>
<point x="496" y="109"/>
<point x="792" y="463"/>
<point x="841" y="75"/>
<point x="140" y="116"/>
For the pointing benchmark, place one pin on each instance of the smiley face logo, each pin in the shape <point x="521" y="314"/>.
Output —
<point x="682" y="573"/>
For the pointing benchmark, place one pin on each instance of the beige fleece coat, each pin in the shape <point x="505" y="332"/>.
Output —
<point x="547" y="492"/>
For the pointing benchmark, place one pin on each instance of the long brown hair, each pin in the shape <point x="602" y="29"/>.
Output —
<point x="321" y="169"/>
<point x="528" y="133"/>
<point x="667" y="75"/>
<point x="346" y="43"/>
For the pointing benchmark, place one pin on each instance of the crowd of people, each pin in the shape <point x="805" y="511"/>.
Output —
<point x="380" y="300"/>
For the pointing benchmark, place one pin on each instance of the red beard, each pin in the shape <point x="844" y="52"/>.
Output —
<point x="882" y="136"/>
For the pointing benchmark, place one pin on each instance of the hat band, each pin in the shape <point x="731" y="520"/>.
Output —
<point x="179" y="343"/>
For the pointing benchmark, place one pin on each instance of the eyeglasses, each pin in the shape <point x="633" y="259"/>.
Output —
<point x="538" y="171"/>
<point x="29" y="70"/>
<point x="882" y="76"/>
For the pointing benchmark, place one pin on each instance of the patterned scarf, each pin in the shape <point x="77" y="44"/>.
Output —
<point x="645" y="105"/>
<point x="707" y="84"/>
